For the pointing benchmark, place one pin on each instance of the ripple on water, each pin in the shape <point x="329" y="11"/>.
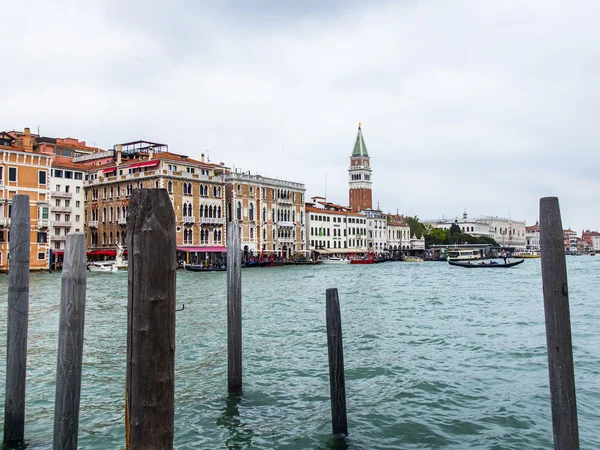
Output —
<point x="435" y="357"/>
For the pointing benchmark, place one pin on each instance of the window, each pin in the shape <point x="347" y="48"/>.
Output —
<point x="12" y="174"/>
<point x="169" y="187"/>
<point x="78" y="176"/>
<point x="239" y="189"/>
<point x="44" y="213"/>
<point x="251" y="211"/>
<point x="77" y="217"/>
<point x="77" y="203"/>
<point x="58" y="173"/>
<point x="42" y="237"/>
<point x="238" y="211"/>
<point x="57" y="202"/>
<point x="67" y="203"/>
<point x="42" y="177"/>
<point x="41" y="255"/>
<point x="68" y="174"/>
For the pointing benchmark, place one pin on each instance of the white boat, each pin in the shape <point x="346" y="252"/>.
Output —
<point x="336" y="261"/>
<point x="463" y="255"/>
<point x="103" y="266"/>
<point x="413" y="259"/>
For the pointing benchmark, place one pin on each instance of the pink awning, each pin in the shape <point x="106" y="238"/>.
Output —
<point x="144" y="164"/>
<point x="203" y="249"/>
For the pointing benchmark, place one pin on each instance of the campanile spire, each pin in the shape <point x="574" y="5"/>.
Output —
<point x="359" y="175"/>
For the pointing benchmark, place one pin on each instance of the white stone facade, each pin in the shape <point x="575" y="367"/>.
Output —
<point x="377" y="235"/>
<point x="331" y="227"/>
<point x="67" y="209"/>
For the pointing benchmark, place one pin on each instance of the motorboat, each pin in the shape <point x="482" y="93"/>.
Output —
<point x="335" y="261"/>
<point x="202" y="268"/>
<point x="526" y="254"/>
<point x="103" y="266"/>
<point x="413" y="259"/>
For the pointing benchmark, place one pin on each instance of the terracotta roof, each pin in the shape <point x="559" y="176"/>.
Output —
<point x="20" y="149"/>
<point x="328" y="211"/>
<point x="72" y="165"/>
<point x="397" y="224"/>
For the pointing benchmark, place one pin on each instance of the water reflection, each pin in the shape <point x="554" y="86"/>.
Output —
<point x="240" y="434"/>
<point x="337" y="442"/>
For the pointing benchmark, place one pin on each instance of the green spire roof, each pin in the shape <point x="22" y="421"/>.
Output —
<point x="360" y="149"/>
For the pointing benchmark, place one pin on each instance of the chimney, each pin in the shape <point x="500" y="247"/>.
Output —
<point x="150" y="153"/>
<point x="202" y="157"/>
<point x="119" y="149"/>
<point x="27" y="140"/>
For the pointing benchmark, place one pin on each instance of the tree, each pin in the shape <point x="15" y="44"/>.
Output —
<point x="455" y="229"/>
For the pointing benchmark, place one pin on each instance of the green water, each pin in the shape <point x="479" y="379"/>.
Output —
<point x="436" y="357"/>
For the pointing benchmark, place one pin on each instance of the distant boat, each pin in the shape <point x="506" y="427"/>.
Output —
<point x="413" y="259"/>
<point x="463" y="255"/>
<point x="526" y="254"/>
<point x="483" y="265"/>
<point x="103" y="266"/>
<point x="199" y="268"/>
<point x="335" y="261"/>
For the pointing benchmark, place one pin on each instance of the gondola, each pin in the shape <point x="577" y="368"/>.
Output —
<point x="486" y="266"/>
<point x="198" y="268"/>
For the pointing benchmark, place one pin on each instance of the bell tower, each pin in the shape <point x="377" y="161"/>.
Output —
<point x="359" y="175"/>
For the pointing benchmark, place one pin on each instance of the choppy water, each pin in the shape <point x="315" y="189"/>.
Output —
<point x="436" y="357"/>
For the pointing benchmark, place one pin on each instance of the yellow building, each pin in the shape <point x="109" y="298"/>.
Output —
<point x="25" y="170"/>
<point x="270" y="213"/>
<point x="196" y="189"/>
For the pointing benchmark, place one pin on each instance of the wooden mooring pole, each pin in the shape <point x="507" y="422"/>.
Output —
<point x="234" y="309"/>
<point x="18" y="315"/>
<point x="150" y="384"/>
<point x="335" y="349"/>
<point x="70" y="343"/>
<point x="558" y="327"/>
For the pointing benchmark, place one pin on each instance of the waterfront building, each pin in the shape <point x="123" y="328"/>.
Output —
<point x="398" y="234"/>
<point x="474" y="227"/>
<point x="67" y="202"/>
<point x="592" y="238"/>
<point x="570" y="239"/>
<point x="359" y="176"/>
<point x="333" y="228"/>
<point x="532" y="237"/>
<point x="25" y="170"/>
<point x="377" y="235"/>
<point x="270" y="213"/>
<point x="506" y="232"/>
<point x="196" y="189"/>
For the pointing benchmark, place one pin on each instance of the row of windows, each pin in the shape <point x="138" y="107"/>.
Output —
<point x="327" y="244"/>
<point x="337" y="219"/>
<point x="280" y="193"/>
<point x="111" y="241"/>
<point x="68" y="174"/>
<point x="188" y="236"/>
<point x="319" y="231"/>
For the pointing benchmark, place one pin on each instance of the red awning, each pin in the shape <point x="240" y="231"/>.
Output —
<point x="222" y="249"/>
<point x="114" y="169"/>
<point x="144" y="164"/>
<point x="112" y="253"/>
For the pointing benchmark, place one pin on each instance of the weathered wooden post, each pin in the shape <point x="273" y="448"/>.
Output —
<point x="70" y="343"/>
<point x="234" y="309"/>
<point x="558" y="327"/>
<point x="18" y="314"/>
<point x="335" y="349"/>
<point x="150" y="384"/>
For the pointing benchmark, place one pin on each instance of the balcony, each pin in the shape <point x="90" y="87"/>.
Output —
<point x="285" y="223"/>
<point x="122" y="220"/>
<point x="93" y="224"/>
<point x="212" y="220"/>
<point x="61" y="209"/>
<point x="58" y="194"/>
<point x="285" y="240"/>
<point x="43" y="223"/>
<point x="287" y="201"/>
<point x="4" y="221"/>
<point x="189" y="219"/>
<point x="61" y="223"/>
<point x="58" y="237"/>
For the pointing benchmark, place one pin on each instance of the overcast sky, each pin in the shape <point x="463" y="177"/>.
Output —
<point x="475" y="104"/>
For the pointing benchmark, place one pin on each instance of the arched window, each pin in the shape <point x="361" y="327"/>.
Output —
<point x="210" y="211"/>
<point x="238" y="211"/>
<point x="251" y="212"/>
<point x="110" y="238"/>
<point x="112" y="214"/>
<point x="215" y="236"/>
<point x="219" y="236"/>
<point x="104" y="238"/>
<point x="219" y="212"/>
<point x="273" y="215"/>
<point x="214" y="191"/>
<point x="118" y="236"/>
<point x="170" y="187"/>
<point x="103" y="214"/>
<point x="264" y="214"/>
